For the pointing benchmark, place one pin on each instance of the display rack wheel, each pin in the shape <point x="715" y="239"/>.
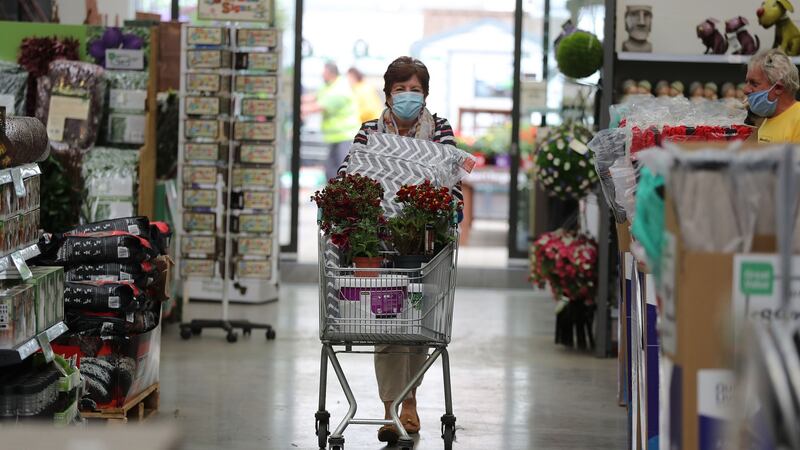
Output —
<point x="197" y="331"/>
<point x="448" y="434"/>
<point x="247" y="331"/>
<point x="270" y="334"/>
<point x="186" y="333"/>
<point x="232" y="337"/>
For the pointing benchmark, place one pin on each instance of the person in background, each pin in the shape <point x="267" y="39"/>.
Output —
<point x="367" y="99"/>
<point x="771" y="85"/>
<point x="339" y="115"/>
<point x="406" y="83"/>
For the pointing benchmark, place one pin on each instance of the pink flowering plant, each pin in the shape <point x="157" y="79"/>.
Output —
<point x="567" y="262"/>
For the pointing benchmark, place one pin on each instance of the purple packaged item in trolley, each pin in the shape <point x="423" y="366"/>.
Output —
<point x="385" y="295"/>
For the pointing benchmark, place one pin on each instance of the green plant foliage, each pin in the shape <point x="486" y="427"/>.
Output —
<point x="579" y="55"/>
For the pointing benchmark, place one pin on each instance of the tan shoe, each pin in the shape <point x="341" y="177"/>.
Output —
<point x="388" y="434"/>
<point x="410" y="423"/>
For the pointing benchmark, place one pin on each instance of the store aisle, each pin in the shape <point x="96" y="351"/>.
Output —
<point x="512" y="387"/>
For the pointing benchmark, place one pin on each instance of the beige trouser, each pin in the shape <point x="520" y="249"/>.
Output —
<point x="395" y="370"/>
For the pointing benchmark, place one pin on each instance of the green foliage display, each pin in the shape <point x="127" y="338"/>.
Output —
<point x="579" y="55"/>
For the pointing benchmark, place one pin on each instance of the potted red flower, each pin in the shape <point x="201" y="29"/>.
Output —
<point x="427" y="210"/>
<point x="566" y="261"/>
<point x="351" y="214"/>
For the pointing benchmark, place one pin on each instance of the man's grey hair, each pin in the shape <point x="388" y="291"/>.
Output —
<point x="778" y="68"/>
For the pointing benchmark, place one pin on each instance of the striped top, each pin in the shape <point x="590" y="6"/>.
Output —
<point x="442" y="134"/>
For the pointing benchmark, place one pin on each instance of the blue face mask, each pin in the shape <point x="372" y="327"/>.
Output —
<point x="407" y="105"/>
<point x="761" y="105"/>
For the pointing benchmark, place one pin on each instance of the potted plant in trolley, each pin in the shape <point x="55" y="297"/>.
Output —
<point x="422" y="228"/>
<point x="350" y="213"/>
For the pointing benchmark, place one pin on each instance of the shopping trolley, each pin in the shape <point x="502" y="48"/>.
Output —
<point x="366" y="307"/>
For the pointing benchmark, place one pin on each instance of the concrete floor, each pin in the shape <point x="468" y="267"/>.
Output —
<point x="512" y="387"/>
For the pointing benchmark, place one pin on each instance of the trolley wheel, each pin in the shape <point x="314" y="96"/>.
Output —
<point x="337" y="447"/>
<point x="405" y="444"/>
<point x="322" y="434"/>
<point x="448" y="434"/>
<point x="232" y="337"/>
<point x="270" y="334"/>
<point x="197" y="331"/>
<point x="186" y="333"/>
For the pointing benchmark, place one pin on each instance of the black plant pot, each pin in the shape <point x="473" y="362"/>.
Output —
<point x="411" y="262"/>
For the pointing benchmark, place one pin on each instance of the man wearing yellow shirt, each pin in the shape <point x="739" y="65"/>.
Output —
<point x="369" y="104"/>
<point x="771" y="85"/>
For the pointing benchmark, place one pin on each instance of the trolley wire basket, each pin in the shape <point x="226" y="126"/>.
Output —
<point x="388" y="305"/>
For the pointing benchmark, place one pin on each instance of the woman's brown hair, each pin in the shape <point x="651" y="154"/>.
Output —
<point x="402" y="69"/>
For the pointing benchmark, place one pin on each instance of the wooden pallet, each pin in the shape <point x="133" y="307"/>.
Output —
<point x="138" y="409"/>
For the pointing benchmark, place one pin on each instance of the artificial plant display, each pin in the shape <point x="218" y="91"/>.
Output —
<point x="35" y="56"/>
<point x="565" y="164"/>
<point x="579" y="54"/>
<point x="102" y="39"/>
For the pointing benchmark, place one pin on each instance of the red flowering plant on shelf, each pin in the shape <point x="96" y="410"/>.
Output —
<point x="424" y="206"/>
<point x="566" y="261"/>
<point x="350" y="213"/>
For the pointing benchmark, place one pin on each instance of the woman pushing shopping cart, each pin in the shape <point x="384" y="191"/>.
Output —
<point x="397" y="199"/>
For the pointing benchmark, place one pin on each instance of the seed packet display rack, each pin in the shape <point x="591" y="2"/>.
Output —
<point x="227" y="236"/>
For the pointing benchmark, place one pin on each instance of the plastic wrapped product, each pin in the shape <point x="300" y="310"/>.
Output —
<point x="609" y="149"/>
<point x="112" y="246"/>
<point x="703" y="192"/>
<point x="16" y="325"/>
<point x="25" y="142"/>
<point x="142" y="275"/>
<point x="13" y="88"/>
<point x="396" y="160"/>
<point x="104" y="296"/>
<point x="137" y="226"/>
<point x="111" y="324"/>
<point x="110" y="179"/>
<point x="160" y="236"/>
<point x="70" y="103"/>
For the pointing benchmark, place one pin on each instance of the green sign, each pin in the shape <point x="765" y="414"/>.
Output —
<point x="757" y="278"/>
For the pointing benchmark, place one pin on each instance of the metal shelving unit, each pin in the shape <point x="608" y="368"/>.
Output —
<point x="39" y="342"/>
